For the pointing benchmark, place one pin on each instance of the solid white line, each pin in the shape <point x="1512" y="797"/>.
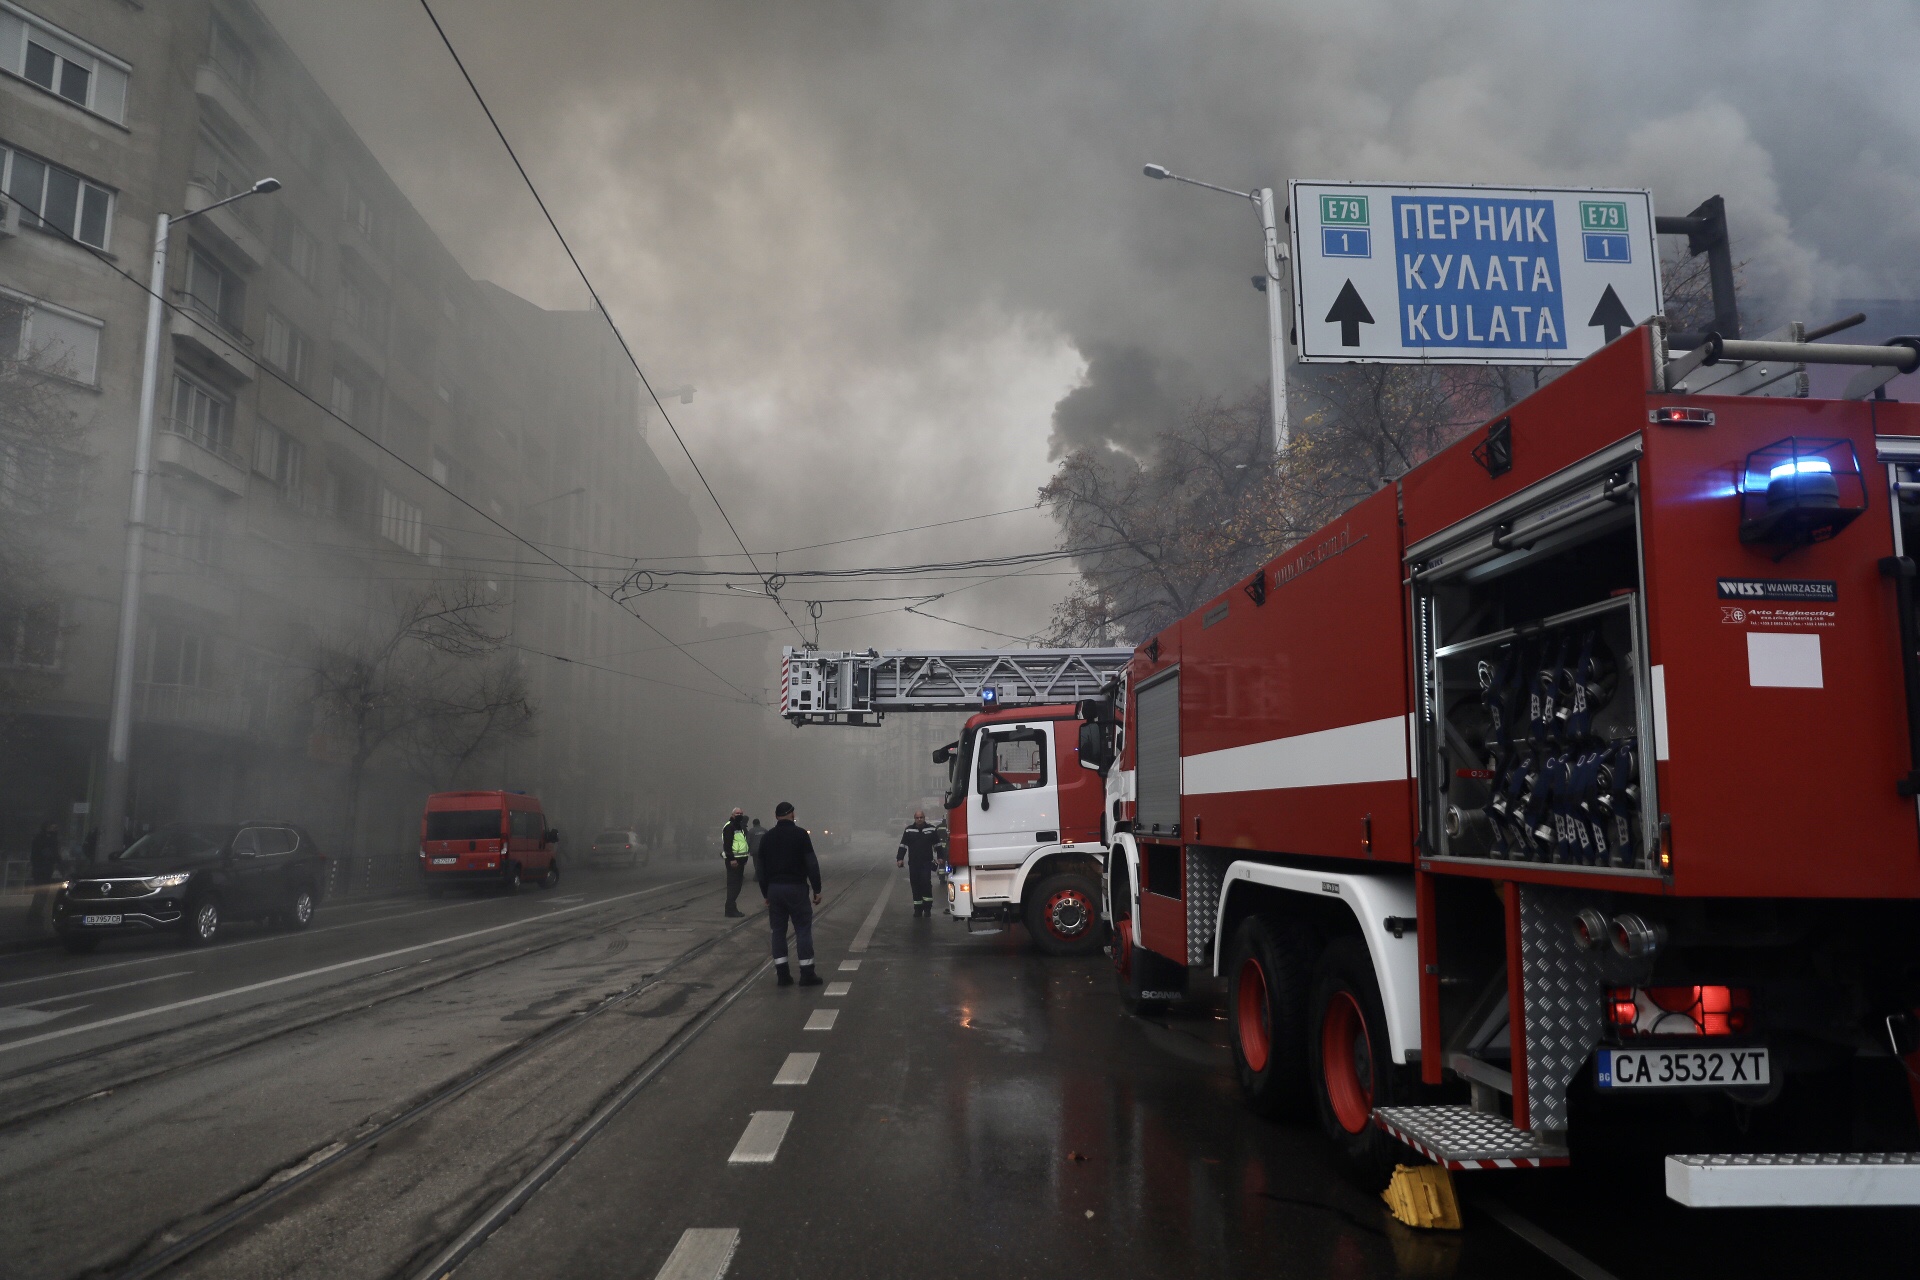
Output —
<point x="94" y="991"/>
<point x="323" y="969"/>
<point x="797" y="1069"/>
<point x="247" y="942"/>
<point x="760" y="1141"/>
<point x="821" y="1020"/>
<point x="1550" y="1245"/>
<point x="872" y="922"/>
<point x="704" y="1253"/>
<point x="849" y="966"/>
<point x="837" y="988"/>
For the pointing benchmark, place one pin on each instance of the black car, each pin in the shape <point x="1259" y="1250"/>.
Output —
<point x="192" y="879"/>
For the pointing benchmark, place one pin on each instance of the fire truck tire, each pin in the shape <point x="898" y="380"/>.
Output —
<point x="1350" y="1062"/>
<point x="1063" y="915"/>
<point x="1268" y="977"/>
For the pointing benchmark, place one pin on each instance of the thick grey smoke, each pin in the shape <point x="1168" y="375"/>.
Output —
<point x="906" y="253"/>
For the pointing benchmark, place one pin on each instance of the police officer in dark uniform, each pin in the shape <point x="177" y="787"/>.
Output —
<point x="919" y="846"/>
<point x="787" y="868"/>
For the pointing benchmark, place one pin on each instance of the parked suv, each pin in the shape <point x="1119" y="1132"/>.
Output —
<point x="193" y="879"/>
<point x="615" y="846"/>
<point x="486" y="839"/>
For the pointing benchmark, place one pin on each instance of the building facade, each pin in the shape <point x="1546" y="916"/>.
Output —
<point x="344" y="417"/>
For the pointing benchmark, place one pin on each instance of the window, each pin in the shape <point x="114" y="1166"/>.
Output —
<point x="361" y="212"/>
<point x="36" y="50"/>
<point x="30" y="635"/>
<point x="361" y="309"/>
<point x="227" y="52"/>
<point x="174" y="656"/>
<point x="440" y="469"/>
<point x="304" y="144"/>
<point x="463" y="824"/>
<point x="201" y="414"/>
<point x="436" y="552"/>
<point x="296" y="250"/>
<point x="219" y="170"/>
<point x="48" y="338"/>
<point x="278" y="457"/>
<point x="213" y="291"/>
<point x="287" y="349"/>
<point x="1014" y="761"/>
<point x="55" y="199"/>
<point x="344" y="398"/>
<point x="401" y="522"/>
<point x="189" y="535"/>
<point x="39" y="479"/>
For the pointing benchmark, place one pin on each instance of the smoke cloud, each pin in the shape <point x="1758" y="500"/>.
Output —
<point x="906" y="254"/>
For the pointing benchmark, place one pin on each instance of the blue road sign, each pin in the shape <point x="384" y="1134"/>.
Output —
<point x="1346" y="242"/>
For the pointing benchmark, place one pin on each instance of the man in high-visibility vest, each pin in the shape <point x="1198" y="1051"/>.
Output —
<point x="734" y="848"/>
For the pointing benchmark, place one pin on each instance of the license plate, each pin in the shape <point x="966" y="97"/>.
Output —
<point x="101" y="919"/>
<point x="1683" y="1068"/>
<point x="444" y="862"/>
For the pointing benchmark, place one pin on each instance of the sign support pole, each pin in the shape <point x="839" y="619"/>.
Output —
<point x="1276" y="317"/>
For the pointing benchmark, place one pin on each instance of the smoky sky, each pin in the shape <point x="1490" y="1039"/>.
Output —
<point x="906" y="254"/>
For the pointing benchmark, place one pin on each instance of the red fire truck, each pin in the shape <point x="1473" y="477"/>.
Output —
<point x="1569" y="780"/>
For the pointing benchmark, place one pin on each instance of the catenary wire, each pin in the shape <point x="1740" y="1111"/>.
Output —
<point x="597" y="302"/>
<point x="505" y="529"/>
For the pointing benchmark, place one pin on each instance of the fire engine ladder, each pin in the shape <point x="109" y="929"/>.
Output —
<point x="860" y="687"/>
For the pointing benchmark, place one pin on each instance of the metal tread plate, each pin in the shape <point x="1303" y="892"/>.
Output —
<point x="1797" y="1179"/>
<point x="1462" y="1138"/>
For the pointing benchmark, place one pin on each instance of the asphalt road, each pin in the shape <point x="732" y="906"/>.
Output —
<point x="353" y="1100"/>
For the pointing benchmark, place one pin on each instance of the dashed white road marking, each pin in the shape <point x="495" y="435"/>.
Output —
<point x="872" y="922"/>
<point x="849" y="966"/>
<point x="821" y="1020"/>
<point x="837" y="988"/>
<point x="760" y="1143"/>
<point x="704" y="1253"/>
<point x="797" y="1069"/>
<point x="92" y="991"/>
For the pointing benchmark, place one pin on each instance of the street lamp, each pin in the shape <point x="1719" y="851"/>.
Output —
<point x="1262" y="201"/>
<point x="120" y="718"/>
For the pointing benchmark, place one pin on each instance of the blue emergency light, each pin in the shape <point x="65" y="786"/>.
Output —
<point x="989" y="695"/>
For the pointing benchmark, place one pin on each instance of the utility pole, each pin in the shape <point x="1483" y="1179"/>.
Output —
<point x="1270" y="284"/>
<point x="113" y="809"/>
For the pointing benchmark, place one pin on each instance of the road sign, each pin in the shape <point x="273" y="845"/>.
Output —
<point x="1468" y="275"/>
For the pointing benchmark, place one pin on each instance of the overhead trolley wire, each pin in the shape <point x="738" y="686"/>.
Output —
<point x="263" y="367"/>
<point x="619" y="337"/>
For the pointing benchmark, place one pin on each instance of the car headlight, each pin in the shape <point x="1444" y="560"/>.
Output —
<point x="167" y="882"/>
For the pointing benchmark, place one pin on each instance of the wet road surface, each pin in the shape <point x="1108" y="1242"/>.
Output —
<point x="356" y="1100"/>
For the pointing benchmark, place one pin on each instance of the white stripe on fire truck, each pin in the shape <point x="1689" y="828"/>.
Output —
<point x="1375" y="751"/>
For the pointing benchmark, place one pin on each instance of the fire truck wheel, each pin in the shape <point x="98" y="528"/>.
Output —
<point x="1350" y="1061"/>
<point x="1063" y="915"/>
<point x="1267" y="981"/>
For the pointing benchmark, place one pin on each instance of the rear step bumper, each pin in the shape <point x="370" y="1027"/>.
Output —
<point x="1462" y="1138"/>
<point x="1817" y="1178"/>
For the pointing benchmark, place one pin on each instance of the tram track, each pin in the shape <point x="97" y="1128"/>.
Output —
<point x="158" y="1254"/>
<point x="61" y="1067"/>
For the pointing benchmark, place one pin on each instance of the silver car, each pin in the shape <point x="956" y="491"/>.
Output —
<point x="610" y="847"/>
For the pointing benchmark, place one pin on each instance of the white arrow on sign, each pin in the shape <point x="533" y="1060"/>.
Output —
<point x="1468" y="275"/>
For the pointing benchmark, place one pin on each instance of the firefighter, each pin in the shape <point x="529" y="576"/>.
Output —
<point x="787" y="867"/>
<point x="734" y="847"/>
<point x="918" y="848"/>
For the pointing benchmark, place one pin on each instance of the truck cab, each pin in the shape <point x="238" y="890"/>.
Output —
<point x="1025" y="800"/>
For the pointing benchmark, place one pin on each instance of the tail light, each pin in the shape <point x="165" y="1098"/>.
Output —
<point x="1680" y="1011"/>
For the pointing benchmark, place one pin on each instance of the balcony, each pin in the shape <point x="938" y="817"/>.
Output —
<point x="217" y="710"/>
<point x="206" y="337"/>
<point x="218" y="94"/>
<point x="180" y="452"/>
<point x="229" y="225"/>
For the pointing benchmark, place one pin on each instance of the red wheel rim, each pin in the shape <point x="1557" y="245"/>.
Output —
<point x="1069" y="914"/>
<point x="1251" y="1016"/>
<point x="1346" y="1062"/>
<point x="1123" y="948"/>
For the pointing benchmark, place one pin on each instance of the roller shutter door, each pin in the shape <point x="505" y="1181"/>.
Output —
<point x="1158" y="777"/>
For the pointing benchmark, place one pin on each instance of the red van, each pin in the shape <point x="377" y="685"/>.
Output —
<point x="486" y="839"/>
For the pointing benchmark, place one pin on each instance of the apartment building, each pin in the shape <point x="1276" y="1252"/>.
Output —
<point x="343" y="414"/>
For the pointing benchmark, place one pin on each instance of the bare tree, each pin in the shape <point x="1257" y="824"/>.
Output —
<point x="431" y="685"/>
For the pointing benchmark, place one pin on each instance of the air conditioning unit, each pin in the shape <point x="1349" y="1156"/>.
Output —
<point x="9" y="218"/>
